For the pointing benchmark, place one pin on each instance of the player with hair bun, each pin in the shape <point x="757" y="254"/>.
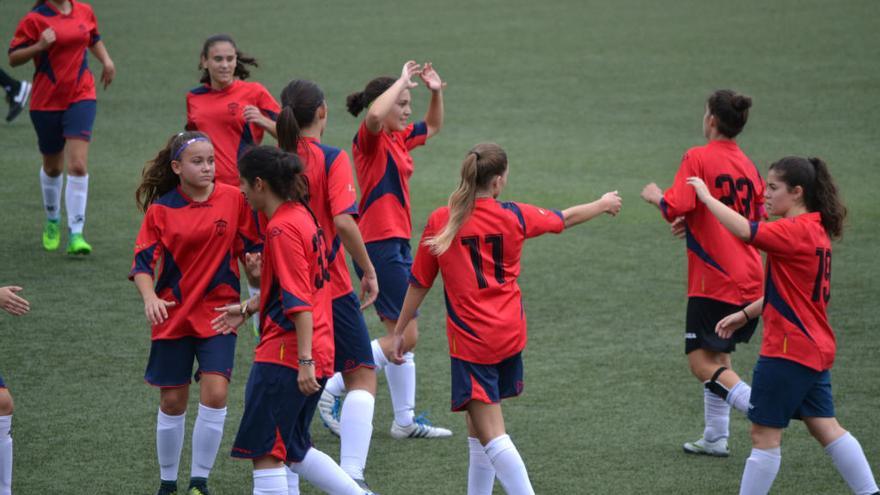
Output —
<point x="384" y="166"/>
<point x="475" y="243"/>
<point x="792" y="379"/>
<point x="199" y="229"/>
<point x="724" y="274"/>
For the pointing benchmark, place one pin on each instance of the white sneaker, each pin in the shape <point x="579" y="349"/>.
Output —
<point x="18" y="102"/>
<point x="420" y="428"/>
<point x="718" y="448"/>
<point x="329" y="407"/>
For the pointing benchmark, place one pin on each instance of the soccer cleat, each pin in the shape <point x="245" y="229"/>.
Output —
<point x="420" y="428"/>
<point x="329" y="407"/>
<point x="17" y="102"/>
<point x="167" y="488"/>
<point x="364" y="486"/>
<point x="78" y="245"/>
<point x="51" y="235"/>
<point x="718" y="448"/>
<point x="198" y="486"/>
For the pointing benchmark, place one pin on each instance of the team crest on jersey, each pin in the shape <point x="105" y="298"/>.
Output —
<point x="220" y="227"/>
<point x="275" y="232"/>
<point x="232" y="108"/>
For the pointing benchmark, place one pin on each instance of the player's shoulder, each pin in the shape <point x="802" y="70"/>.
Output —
<point x="201" y="89"/>
<point x="172" y="199"/>
<point x="330" y="153"/>
<point x="84" y="8"/>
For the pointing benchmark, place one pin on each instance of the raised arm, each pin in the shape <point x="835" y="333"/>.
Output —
<point x="434" y="115"/>
<point x="354" y="244"/>
<point x="730" y="219"/>
<point x="609" y="203"/>
<point x="382" y="105"/>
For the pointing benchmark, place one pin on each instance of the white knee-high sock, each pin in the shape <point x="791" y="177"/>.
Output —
<point x="5" y="455"/>
<point x="292" y="481"/>
<point x="271" y="481"/>
<point x="849" y="459"/>
<point x="739" y="396"/>
<point x="319" y="469"/>
<point x="481" y="474"/>
<point x="76" y="196"/>
<point x="761" y="468"/>
<point x="509" y="466"/>
<point x="717" y="415"/>
<point x="402" y="384"/>
<point x="378" y="355"/>
<point x="255" y="318"/>
<point x="51" y="187"/>
<point x="335" y="385"/>
<point x="207" y="434"/>
<point x="169" y="444"/>
<point x="356" y="429"/>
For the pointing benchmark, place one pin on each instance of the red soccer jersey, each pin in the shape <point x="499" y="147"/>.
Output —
<point x="62" y="75"/>
<point x="797" y="290"/>
<point x="220" y="115"/>
<point x="331" y="193"/>
<point x="384" y="166"/>
<point x="294" y="279"/>
<point x="198" y="244"/>
<point x="720" y="266"/>
<point x="485" y="320"/>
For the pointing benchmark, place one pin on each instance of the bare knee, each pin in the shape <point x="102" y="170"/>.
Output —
<point x="824" y="430"/>
<point x="765" y="437"/>
<point x="172" y="401"/>
<point x="214" y="390"/>
<point x="53" y="165"/>
<point x="361" y="379"/>
<point x="6" y="403"/>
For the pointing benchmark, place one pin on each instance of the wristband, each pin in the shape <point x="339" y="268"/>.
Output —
<point x="746" y="314"/>
<point x="306" y="362"/>
<point x="244" y="309"/>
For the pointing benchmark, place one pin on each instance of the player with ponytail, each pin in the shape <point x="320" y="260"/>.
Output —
<point x="792" y="379"/>
<point x="475" y="244"/>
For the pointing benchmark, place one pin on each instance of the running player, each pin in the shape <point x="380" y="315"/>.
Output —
<point x="384" y="166"/>
<point x="17" y="94"/>
<point x="792" y="378"/>
<point x="295" y="354"/>
<point x="724" y="274"/>
<point x="15" y="305"/>
<point x="198" y="228"/>
<point x="476" y="243"/>
<point x="333" y="200"/>
<point x="56" y="34"/>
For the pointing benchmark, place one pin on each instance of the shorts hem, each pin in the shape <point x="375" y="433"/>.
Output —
<point x="148" y="382"/>
<point x="364" y="365"/>
<point x="224" y="375"/>
<point x="78" y="138"/>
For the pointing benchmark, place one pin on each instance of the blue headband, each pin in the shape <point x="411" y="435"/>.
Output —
<point x="184" y="146"/>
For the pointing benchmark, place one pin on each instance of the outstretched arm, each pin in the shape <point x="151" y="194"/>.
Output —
<point x="609" y="203"/>
<point x="382" y="105"/>
<point x="730" y="219"/>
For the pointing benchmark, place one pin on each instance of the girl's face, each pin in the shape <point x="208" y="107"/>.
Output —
<point x="708" y="123"/>
<point x="220" y="63"/>
<point x="398" y="117"/>
<point x="779" y="198"/>
<point x="255" y="193"/>
<point x="195" y="167"/>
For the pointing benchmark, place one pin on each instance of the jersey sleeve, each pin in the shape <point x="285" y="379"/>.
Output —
<point x="94" y="35"/>
<point x="340" y="183"/>
<point x="536" y="221"/>
<point x="681" y="197"/>
<point x="760" y="212"/>
<point x="267" y="104"/>
<point x="425" y="266"/>
<point x="778" y="237"/>
<point x="415" y="135"/>
<point x="26" y="33"/>
<point x="147" y="247"/>
<point x="190" y="124"/>
<point x="249" y="237"/>
<point x="365" y="140"/>
<point x="290" y="261"/>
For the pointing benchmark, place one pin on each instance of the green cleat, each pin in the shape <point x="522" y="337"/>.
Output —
<point x="51" y="235"/>
<point x="167" y="488"/>
<point x="198" y="486"/>
<point x="78" y="245"/>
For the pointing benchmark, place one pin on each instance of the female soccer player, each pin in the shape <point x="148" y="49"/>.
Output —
<point x="792" y="378"/>
<point x="724" y="274"/>
<point x="55" y="34"/>
<point x="295" y="353"/>
<point x="16" y="306"/>
<point x="198" y="228"/>
<point x="384" y="166"/>
<point x="333" y="200"/>
<point x="476" y="243"/>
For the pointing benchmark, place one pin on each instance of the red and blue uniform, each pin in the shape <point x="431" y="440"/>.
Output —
<point x="220" y="115"/>
<point x="332" y="193"/>
<point x="485" y="322"/>
<point x="196" y="245"/>
<point x="293" y="279"/>
<point x="792" y="378"/>
<point x="63" y="96"/>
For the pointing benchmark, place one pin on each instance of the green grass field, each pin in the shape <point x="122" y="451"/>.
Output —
<point x="586" y="96"/>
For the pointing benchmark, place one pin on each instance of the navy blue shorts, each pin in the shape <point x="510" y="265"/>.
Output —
<point x="393" y="261"/>
<point x="350" y="334"/>
<point x="783" y="390"/>
<point x="276" y="415"/>
<point x="702" y="316"/>
<point x="54" y="127"/>
<point x="487" y="383"/>
<point x="171" y="360"/>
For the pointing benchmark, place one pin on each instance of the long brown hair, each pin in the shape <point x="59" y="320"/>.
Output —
<point x="483" y="163"/>
<point x="300" y="101"/>
<point x="157" y="177"/>
<point x="820" y="190"/>
<point x="281" y="171"/>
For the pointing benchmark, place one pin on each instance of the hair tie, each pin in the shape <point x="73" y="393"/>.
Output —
<point x="476" y="154"/>
<point x="187" y="143"/>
